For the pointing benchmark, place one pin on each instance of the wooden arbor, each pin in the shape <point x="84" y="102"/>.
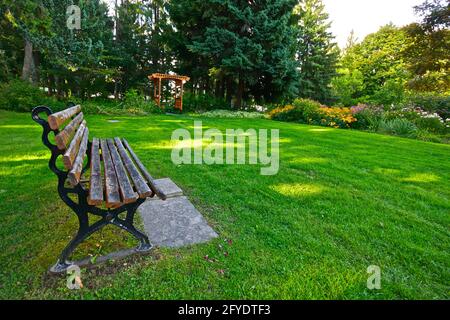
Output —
<point x="179" y="84"/>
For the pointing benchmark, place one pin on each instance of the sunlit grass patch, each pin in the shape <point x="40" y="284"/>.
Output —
<point x="341" y="201"/>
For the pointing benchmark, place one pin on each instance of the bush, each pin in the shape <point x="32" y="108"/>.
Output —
<point x="135" y="103"/>
<point x="347" y="86"/>
<point x="398" y="127"/>
<point x="287" y="113"/>
<point x="391" y="93"/>
<point x="233" y="114"/>
<point x="431" y="124"/>
<point x="430" y="121"/>
<point x="432" y="103"/>
<point x="368" y="117"/>
<point x="203" y="102"/>
<point x="309" y="109"/>
<point x="301" y="110"/>
<point x="21" y="96"/>
<point x="337" y="117"/>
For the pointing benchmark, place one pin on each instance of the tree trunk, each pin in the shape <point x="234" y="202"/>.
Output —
<point x="240" y="92"/>
<point x="229" y="82"/>
<point x="116" y="90"/>
<point x="58" y="87"/>
<point x="29" y="68"/>
<point x="217" y="88"/>
<point x="51" y="81"/>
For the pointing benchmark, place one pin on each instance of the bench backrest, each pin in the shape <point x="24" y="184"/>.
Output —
<point x="72" y="139"/>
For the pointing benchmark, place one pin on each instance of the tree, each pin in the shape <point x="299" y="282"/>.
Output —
<point x="140" y="42"/>
<point x="317" y="53"/>
<point x="31" y="19"/>
<point x="427" y="58"/>
<point x="249" y="42"/>
<point x="379" y="58"/>
<point x="348" y="86"/>
<point x="427" y="54"/>
<point x="78" y="60"/>
<point x="435" y="14"/>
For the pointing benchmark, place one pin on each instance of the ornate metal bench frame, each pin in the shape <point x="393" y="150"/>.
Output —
<point x="82" y="208"/>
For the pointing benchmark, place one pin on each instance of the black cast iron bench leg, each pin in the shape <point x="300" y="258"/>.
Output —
<point x="109" y="217"/>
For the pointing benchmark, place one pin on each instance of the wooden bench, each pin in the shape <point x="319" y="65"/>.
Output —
<point x="105" y="175"/>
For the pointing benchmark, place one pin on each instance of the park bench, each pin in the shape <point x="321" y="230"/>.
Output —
<point x="103" y="178"/>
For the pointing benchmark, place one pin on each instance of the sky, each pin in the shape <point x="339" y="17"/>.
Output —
<point x="367" y="16"/>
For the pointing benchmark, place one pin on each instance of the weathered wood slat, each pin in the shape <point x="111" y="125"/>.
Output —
<point x="63" y="138"/>
<point x="55" y="120"/>
<point x="75" y="173"/>
<point x="141" y="186"/>
<point x="72" y="150"/>
<point x="126" y="188"/>
<point x="144" y="171"/>
<point x="95" y="180"/>
<point x="111" y="183"/>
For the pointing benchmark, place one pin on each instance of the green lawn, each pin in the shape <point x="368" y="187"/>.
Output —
<point x="343" y="200"/>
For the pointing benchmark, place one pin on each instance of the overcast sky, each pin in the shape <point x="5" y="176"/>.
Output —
<point x="367" y="16"/>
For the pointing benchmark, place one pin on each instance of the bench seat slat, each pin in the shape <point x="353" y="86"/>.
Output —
<point x="95" y="180"/>
<point x="55" y="120"/>
<point x="111" y="183"/>
<point x="141" y="186"/>
<point x="126" y="188"/>
<point x="72" y="150"/>
<point x="62" y="139"/>
<point x="144" y="171"/>
<point x="75" y="173"/>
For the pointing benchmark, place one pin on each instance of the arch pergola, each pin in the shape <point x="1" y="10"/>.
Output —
<point x="157" y="78"/>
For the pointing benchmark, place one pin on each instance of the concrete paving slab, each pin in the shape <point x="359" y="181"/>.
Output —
<point x="168" y="187"/>
<point x="174" y="223"/>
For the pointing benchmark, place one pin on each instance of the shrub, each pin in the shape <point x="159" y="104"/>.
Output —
<point x="301" y="110"/>
<point x="287" y="113"/>
<point x="368" y="117"/>
<point x="430" y="121"/>
<point x="431" y="124"/>
<point x="233" y="114"/>
<point x="21" y="96"/>
<point x="135" y="103"/>
<point x="432" y="103"/>
<point x="391" y="93"/>
<point x="347" y="86"/>
<point x="398" y="127"/>
<point x="337" y="117"/>
<point x="203" y="102"/>
<point x="309" y="109"/>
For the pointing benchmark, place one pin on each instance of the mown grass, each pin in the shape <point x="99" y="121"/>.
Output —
<point x="342" y="200"/>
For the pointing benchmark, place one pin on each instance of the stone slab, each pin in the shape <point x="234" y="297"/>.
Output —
<point x="168" y="187"/>
<point x="174" y="223"/>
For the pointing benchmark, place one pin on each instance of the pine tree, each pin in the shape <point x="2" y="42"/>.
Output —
<point x="32" y="21"/>
<point x="78" y="60"/>
<point x="251" y="43"/>
<point x="317" y="54"/>
<point x="140" y="42"/>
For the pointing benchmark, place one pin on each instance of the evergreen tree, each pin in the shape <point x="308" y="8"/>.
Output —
<point x="250" y="42"/>
<point x="317" y="53"/>
<point x="78" y="60"/>
<point x="140" y="42"/>
<point x="32" y="21"/>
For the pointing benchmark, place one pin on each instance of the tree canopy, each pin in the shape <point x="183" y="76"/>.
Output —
<point x="242" y="52"/>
